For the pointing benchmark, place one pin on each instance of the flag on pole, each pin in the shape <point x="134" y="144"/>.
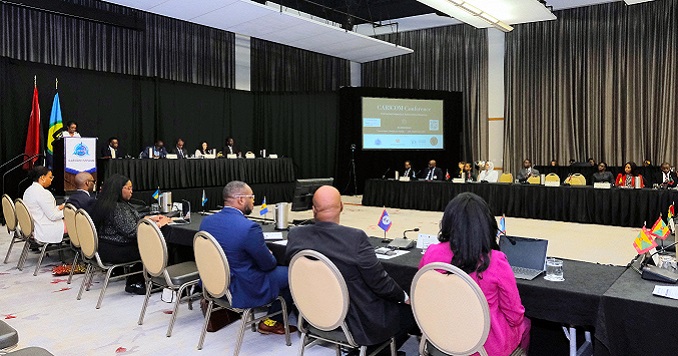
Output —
<point x="204" y="198"/>
<point x="264" y="208"/>
<point x="385" y="221"/>
<point x="33" y="136"/>
<point x="669" y="217"/>
<point x="447" y="174"/>
<point x="644" y="241"/>
<point x="659" y="229"/>
<point x="502" y="226"/>
<point x="55" y="125"/>
<point x="156" y="194"/>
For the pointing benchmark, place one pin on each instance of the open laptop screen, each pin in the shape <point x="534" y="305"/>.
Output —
<point x="526" y="252"/>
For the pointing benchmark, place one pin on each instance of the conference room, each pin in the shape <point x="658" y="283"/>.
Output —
<point x="344" y="93"/>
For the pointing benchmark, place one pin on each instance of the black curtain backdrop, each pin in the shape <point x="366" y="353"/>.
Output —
<point x="139" y="109"/>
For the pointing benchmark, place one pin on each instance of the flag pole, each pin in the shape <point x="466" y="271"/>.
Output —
<point x="56" y="83"/>
<point x="35" y="80"/>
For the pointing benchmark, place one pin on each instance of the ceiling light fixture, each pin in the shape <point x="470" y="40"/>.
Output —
<point x="452" y="7"/>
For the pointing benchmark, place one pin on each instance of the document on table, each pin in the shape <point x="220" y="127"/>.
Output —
<point x="273" y="236"/>
<point x="666" y="291"/>
<point x="396" y="254"/>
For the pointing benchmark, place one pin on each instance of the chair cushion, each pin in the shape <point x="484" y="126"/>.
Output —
<point x="184" y="272"/>
<point x="8" y="335"/>
<point x="336" y="334"/>
<point x="31" y="351"/>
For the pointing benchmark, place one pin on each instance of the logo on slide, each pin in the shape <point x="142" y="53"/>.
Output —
<point x="377" y="142"/>
<point x="81" y="150"/>
<point x="434" y="141"/>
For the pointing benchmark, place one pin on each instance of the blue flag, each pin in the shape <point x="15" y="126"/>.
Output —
<point x="385" y="221"/>
<point x="55" y="125"/>
<point x="264" y="208"/>
<point x="156" y="194"/>
<point x="502" y="226"/>
<point x="204" y="198"/>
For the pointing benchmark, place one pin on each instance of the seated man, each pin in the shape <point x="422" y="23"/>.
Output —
<point x="409" y="171"/>
<point x="82" y="198"/>
<point x="433" y="172"/>
<point x="112" y="150"/>
<point x="527" y="171"/>
<point x="157" y="150"/>
<point x="255" y="277"/>
<point x="47" y="216"/>
<point x="603" y="175"/>
<point x="179" y="149"/>
<point x="668" y="178"/>
<point x="378" y="306"/>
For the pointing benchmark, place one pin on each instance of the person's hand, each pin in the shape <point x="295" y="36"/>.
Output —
<point x="61" y="207"/>
<point x="162" y="220"/>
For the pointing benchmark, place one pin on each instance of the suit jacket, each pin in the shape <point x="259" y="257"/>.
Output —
<point x="48" y="219"/>
<point x="106" y="152"/>
<point x="671" y="182"/>
<point x="181" y="153"/>
<point x="250" y="260"/>
<point x="82" y="199"/>
<point x="228" y="149"/>
<point x="437" y="174"/>
<point x="603" y="177"/>
<point x="409" y="173"/>
<point x="523" y="174"/>
<point x="373" y="312"/>
<point x="160" y="153"/>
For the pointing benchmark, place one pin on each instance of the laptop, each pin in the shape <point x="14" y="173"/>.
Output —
<point x="527" y="257"/>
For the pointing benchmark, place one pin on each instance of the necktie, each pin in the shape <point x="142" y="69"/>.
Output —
<point x="430" y="174"/>
<point x="407" y="173"/>
<point x="112" y="152"/>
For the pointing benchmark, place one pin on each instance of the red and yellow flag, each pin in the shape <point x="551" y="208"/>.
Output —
<point x="660" y="229"/>
<point x="644" y="242"/>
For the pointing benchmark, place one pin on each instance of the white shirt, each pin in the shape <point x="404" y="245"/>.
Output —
<point x="490" y="176"/>
<point x="75" y="134"/>
<point x="48" y="219"/>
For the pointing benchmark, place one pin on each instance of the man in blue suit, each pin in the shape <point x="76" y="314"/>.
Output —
<point x="255" y="277"/>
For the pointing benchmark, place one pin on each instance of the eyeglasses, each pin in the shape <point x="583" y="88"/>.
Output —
<point x="244" y="196"/>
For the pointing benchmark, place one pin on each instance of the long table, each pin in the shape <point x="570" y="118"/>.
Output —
<point x="189" y="178"/>
<point x="575" y="302"/>
<point x="616" y="206"/>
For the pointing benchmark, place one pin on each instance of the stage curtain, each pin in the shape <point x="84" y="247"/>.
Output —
<point x="280" y="68"/>
<point x="166" y="48"/>
<point x="450" y="58"/>
<point x="311" y="138"/>
<point x="600" y="81"/>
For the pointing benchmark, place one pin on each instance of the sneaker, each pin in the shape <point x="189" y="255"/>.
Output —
<point x="136" y="288"/>
<point x="270" y="326"/>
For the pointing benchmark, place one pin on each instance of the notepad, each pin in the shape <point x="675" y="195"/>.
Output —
<point x="666" y="291"/>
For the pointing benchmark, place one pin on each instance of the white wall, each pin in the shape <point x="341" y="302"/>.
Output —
<point x="495" y="39"/>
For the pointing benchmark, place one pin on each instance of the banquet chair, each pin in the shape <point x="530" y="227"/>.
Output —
<point x="576" y="179"/>
<point x="552" y="178"/>
<point x="461" y="325"/>
<point x="89" y="245"/>
<point x="69" y="219"/>
<point x="506" y="178"/>
<point x="27" y="230"/>
<point x="321" y="296"/>
<point x="9" y="338"/>
<point x="11" y="222"/>
<point x="534" y="180"/>
<point x="215" y="274"/>
<point x="177" y="277"/>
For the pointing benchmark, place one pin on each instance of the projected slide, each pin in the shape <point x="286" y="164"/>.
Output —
<point x="402" y="124"/>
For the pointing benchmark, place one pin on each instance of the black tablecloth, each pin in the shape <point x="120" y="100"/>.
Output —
<point x="149" y="174"/>
<point x="618" y="207"/>
<point x="635" y="321"/>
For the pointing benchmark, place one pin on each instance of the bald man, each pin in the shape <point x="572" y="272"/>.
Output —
<point x="378" y="307"/>
<point x="82" y="198"/>
<point x="433" y="172"/>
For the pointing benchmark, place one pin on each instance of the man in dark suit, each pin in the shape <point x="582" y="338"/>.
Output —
<point x="527" y="171"/>
<point x="409" y="171"/>
<point x="433" y="172"/>
<point x="82" y="198"/>
<point x="668" y="179"/>
<point x="157" y="150"/>
<point x="255" y="277"/>
<point x="378" y="307"/>
<point x="230" y="147"/>
<point x="179" y="149"/>
<point x="111" y="151"/>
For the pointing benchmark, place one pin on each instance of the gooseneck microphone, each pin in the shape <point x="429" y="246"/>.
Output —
<point x="383" y="176"/>
<point x="410" y="230"/>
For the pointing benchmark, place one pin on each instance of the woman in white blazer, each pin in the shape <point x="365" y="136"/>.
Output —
<point x="488" y="174"/>
<point x="47" y="216"/>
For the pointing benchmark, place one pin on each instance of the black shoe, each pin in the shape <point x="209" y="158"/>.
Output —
<point x="136" y="288"/>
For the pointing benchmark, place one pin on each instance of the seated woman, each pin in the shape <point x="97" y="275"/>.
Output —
<point x="629" y="178"/>
<point x="202" y="150"/>
<point x="487" y="173"/>
<point x="468" y="176"/>
<point x="603" y="175"/>
<point x="47" y="216"/>
<point x="116" y="223"/>
<point x="468" y="241"/>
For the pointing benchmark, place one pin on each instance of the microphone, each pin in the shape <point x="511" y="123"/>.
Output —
<point x="659" y="250"/>
<point x="410" y="230"/>
<point x="383" y="176"/>
<point x="138" y="201"/>
<point x="186" y="209"/>
<point x="353" y="146"/>
<point x="511" y="239"/>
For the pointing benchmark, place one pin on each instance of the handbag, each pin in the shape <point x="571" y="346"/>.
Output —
<point x="219" y="318"/>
